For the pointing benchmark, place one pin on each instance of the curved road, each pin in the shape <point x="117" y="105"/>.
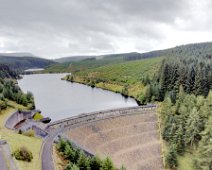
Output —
<point x="6" y="160"/>
<point x="3" y="162"/>
<point x="47" y="162"/>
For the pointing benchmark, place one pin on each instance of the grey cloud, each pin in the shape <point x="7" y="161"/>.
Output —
<point x="53" y="28"/>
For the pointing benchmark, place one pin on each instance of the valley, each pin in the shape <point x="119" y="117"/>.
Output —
<point x="177" y="80"/>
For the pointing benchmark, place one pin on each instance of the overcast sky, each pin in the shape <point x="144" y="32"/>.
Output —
<point x="56" y="28"/>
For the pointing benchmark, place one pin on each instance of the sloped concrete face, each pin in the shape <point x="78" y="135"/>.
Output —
<point x="95" y="116"/>
<point x="57" y="128"/>
<point x="131" y="139"/>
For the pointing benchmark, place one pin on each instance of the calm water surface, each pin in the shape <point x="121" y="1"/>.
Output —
<point x="60" y="99"/>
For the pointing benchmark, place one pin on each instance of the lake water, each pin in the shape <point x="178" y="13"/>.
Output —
<point x="60" y="99"/>
<point x="34" y="69"/>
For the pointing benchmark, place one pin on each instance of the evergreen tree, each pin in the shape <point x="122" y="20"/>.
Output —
<point x="107" y="165"/>
<point x="95" y="163"/>
<point x="171" y="157"/>
<point x="83" y="162"/>
<point x="204" y="156"/>
<point x="194" y="126"/>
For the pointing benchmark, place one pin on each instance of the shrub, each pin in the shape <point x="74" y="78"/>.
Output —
<point x="30" y="133"/>
<point x="23" y="154"/>
<point x="37" y="116"/>
<point x="83" y="162"/>
<point x="19" y="110"/>
<point x="71" y="166"/>
<point x="95" y="163"/>
<point x="107" y="164"/>
<point x="171" y="157"/>
<point x="3" y="105"/>
<point x="79" y="160"/>
<point x="31" y="106"/>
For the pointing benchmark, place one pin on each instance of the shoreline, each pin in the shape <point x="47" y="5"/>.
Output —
<point x="94" y="86"/>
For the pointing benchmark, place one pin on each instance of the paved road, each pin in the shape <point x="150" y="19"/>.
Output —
<point x="7" y="152"/>
<point x="3" y="162"/>
<point x="6" y="158"/>
<point x="47" y="162"/>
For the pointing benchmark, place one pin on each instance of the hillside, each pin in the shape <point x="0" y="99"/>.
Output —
<point x="6" y="72"/>
<point x="71" y="59"/>
<point x="188" y="50"/>
<point x="25" y="62"/>
<point x="86" y="62"/>
<point x="107" y="56"/>
<point x="181" y="81"/>
<point x="75" y="64"/>
<point x="126" y="77"/>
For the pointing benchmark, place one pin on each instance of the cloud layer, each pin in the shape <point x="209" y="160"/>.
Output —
<point x="55" y="28"/>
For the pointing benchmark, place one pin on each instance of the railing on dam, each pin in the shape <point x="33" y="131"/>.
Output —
<point x="94" y="116"/>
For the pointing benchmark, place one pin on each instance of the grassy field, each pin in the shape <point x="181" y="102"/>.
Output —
<point x="116" y="77"/>
<point x="17" y="140"/>
<point x="185" y="162"/>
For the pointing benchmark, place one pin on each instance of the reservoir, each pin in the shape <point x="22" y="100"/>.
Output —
<point x="60" y="99"/>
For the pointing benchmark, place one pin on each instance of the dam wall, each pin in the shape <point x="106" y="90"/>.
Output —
<point x="100" y="115"/>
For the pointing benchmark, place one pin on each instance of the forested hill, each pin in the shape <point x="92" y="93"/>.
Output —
<point x="6" y="72"/>
<point x="25" y="62"/>
<point x="180" y="80"/>
<point x="188" y="50"/>
<point x="98" y="57"/>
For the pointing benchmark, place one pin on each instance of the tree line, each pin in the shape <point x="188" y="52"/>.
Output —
<point x="187" y="127"/>
<point x="194" y="74"/>
<point x="184" y="86"/>
<point x="78" y="160"/>
<point x="9" y="90"/>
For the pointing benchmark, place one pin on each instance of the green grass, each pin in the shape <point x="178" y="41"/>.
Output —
<point x="16" y="140"/>
<point x="115" y="77"/>
<point x="57" y="68"/>
<point x="185" y="162"/>
<point x="37" y="116"/>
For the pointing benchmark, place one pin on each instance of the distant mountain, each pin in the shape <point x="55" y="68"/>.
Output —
<point x="18" y="62"/>
<point x="77" y="63"/>
<point x="17" y="54"/>
<point x="196" y="49"/>
<point x="186" y="50"/>
<point x="71" y="58"/>
<point x="107" y="56"/>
